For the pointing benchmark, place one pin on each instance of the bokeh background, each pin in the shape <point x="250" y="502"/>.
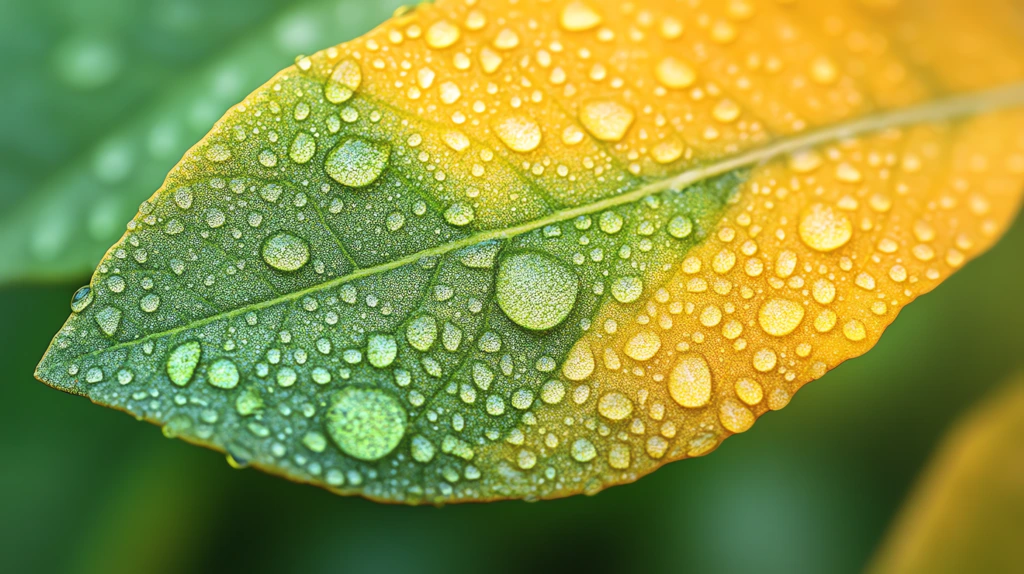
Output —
<point x="813" y="488"/>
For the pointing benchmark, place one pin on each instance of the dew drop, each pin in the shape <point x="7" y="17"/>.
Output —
<point x="222" y="374"/>
<point x="627" y="289"/>
<point x="108" y="319"/>
<point x="381" y="350"/>
<point x="823" y="228"/>
<point x="579" y="363"/>
<point x="583" y="450"/>
<point x="520" y="133"/>
<point x="81" y="299"/>
<point x="442" y="34"/>
<point x="422" y="332"/>
<point x="675" y="73"/>
<point x="344" y="81"/>
<point x="182" y="361"/>
<point x="680" y="227"/>
<point x="780" y="317"/>
<point x="614" y="406"/>
<point x="606" y="120"/>
<point x="366" y="424"/>
<point x="643" y="346"/>
<point x="357" y="162"/>
<point x="303" y="148"/>
<point x="535" y="290"/>
<point x="689" y="383"/>
<point x="578" y="16"/>
<point x="459" y="214"/>
<point x="285" y="252"/>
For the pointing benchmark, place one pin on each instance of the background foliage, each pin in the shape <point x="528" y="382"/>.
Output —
<point x="88" y="489"/>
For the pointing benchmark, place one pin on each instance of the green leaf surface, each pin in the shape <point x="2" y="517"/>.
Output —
<point x="143" y="81"/>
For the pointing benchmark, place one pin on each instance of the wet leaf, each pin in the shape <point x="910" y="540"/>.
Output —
<point x="965" y="513"/>
<point x="57" y="226"/>
<point x="527" y="250"/>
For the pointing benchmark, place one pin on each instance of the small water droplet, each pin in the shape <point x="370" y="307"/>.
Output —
<point x="344" y="81"/>
<point x="823" y="228"/>
<point x="381" y="350"/>
<point x="627" y="289"/>
<point x="614" y="406"/>
<point x="689" y="383"/>
<point x="780" y="317"/>
<point x="222" y="374"/>
<point x="285" y="252"/>
<point x="519" y="133"/>
<point x="578" y="16"/>
<point x="606" y="120"/>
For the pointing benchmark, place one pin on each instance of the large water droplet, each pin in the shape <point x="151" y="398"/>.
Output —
<point x="606" y="120"/>
<point x="823" y="228"/>
<point x="689" y="383"/>
<point x="422" y="332"/>
<point x="675" y="73"/>
<point x="780" y="317"/>
<point x="357" y="162"/>
<point x="381" y="350"/>
<point x="442" y="34"/>
<point x="459" y="214"/>
<point x="365" y="423"/>
<point x="535" y="290"/>
<point x="519" y="133"/>
<point x="285" y="252"/>
<point x="578" y="16"/>
<point x="344" y="81"/>
<point x="222" y="374"/>
<point x="81" y="299"/>
<point x="108" y="319"/>
<point x="181" y="363"/>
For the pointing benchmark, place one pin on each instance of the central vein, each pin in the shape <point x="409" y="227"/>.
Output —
<point x="950" y="108"/>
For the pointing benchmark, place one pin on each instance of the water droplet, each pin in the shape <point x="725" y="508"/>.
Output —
<point x="381" y="350"/>
<point x="150" y="302"/>
<point x="552" y="392"/>
<point x="182" y="361"/>
<point x="442" y="34"/>
<point x="535" y="290"/>
<point x="749" y="391"/>
<point x="344" y="81"/>
<point x="422" y="450"/>
<point x="726" y="111"/>
<point x="689" y="383"/>
<point x="615" y="406"/>
<point x="222" y="374"/>
<point x="734" y="416"/>
<point x="578" y="16"/>
<point x="579" y="363"/>
<point x="643" y="346"/>
<point x="422" y="332"/>
<point x="357" y="162"/>
<point x="81" y="299"/>
<point x="618" y="456"/>
<point x="303" y="148"/>
<point x="519" y="133"/>
<point x="680" y="227"/>
<point x="108" y="319"/>
<point x="459" y="214"/>
<point x="610" y="222"/>
<point x="366" y="424"/>
<point x="627" y="289"/>
<point x="823" y="228"/>
<point x="606" y="120"/>
<point x="285" y="252"/>
<point x="823" y="70"/>
<point x="780" y="317"/>
<point x="675" y="73"/>
<point x="583" y="450"/>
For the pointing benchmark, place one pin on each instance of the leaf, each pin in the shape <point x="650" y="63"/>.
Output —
<point x="965" y="512"/>
<point x="527" y="250"/>
<point x="58" y="227"/>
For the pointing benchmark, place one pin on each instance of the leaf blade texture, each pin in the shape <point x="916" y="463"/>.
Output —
<point x="528" y="250"/>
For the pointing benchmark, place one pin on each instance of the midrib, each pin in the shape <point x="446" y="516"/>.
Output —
<point x="945" y="109"/>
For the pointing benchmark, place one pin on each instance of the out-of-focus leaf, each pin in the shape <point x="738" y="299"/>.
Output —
<point x="533" y="249"/>
<point x="965" y="514"/>
<point x="58" y="227"/>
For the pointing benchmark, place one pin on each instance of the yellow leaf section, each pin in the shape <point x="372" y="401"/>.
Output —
<point x="965" y="513"/>
<point x="821" y="249"/>
<point x="817" y="256"/>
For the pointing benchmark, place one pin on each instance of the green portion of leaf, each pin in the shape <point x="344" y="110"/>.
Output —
<point x="183" y="73"/>
<point x="296" y="287"/>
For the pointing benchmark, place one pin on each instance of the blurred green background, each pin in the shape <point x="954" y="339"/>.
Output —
<point x="86" y="489"/>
